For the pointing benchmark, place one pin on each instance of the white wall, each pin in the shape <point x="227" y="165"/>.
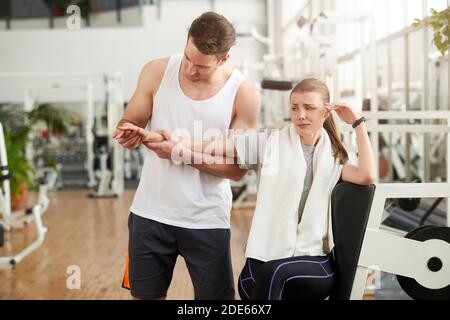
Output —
<point x="130" y="17"/>
<point x="101" y="50"/>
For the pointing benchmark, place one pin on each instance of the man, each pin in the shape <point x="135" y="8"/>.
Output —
<point x="185" y="209"/>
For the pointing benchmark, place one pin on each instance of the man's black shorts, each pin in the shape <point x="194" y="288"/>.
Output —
<point x="154" y="247"/>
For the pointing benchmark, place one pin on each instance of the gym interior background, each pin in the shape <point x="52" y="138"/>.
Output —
<point x="64" y="86"/>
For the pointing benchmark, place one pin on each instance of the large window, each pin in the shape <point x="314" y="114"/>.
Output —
<point x="381" y="17"/>
<point x="438" y="5"/>
<point x="398" y="97"/>
<point x="416" y="68"/>
<point x="414" y="10"/>
<point x="383" y="77"/>
<point x="438" y="79"/>
<point x="401" y="64"/>
<point x="396" y="18"/>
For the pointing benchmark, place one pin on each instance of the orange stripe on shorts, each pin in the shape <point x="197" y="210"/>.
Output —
<point x="126" y="279"/>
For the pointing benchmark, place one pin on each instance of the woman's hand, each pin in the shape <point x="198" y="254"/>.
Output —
<point x="160" y="142"/>
<point x="146" y="136"/>
<point x="344" y="111"/>
<point x="127" y="138"/>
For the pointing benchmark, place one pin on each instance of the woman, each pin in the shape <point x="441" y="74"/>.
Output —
<point x="290" y="242"/>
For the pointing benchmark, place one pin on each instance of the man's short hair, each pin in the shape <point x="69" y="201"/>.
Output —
<point x="212" y="34"/>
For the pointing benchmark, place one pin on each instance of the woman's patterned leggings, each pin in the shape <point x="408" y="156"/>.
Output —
<point x="285" y="279"/>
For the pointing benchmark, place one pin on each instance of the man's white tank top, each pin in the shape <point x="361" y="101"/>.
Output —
<point x="181" y="195"/>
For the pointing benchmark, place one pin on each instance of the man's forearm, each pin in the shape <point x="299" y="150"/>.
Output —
<point x="226" y="171"/>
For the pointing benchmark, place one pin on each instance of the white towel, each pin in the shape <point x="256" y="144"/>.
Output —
<point x="275" y="232"/>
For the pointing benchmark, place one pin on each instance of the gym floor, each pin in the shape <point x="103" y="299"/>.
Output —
<point x="93" y="235"/>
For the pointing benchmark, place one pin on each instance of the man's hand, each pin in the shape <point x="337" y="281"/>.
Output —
<point x="163" y="148"/>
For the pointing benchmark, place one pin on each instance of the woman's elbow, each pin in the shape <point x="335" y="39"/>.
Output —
<point x="368" y="179"/>
<point x="238" y="175"/>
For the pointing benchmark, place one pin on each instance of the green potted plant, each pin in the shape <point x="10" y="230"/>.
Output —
<point x="440" y="22"/>
<point x="57" y="118"/>
<point x="20" y="169"/>
<point x="17" y="126"/>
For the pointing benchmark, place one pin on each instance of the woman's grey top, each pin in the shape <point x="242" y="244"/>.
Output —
<point x="251" y="148"/>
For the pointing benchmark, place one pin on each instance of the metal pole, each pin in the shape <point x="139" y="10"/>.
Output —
<point x="270" y="25"/>
<point x="5" y="192"/>
<point x="407" y="107"/>
<point x="51" y="22"/>
<point x="363" y="61"/>
<point x="448" y="136"/>
<point x="115" y="112"/>
<point x="88" y="15"/>
<point x="159" y="4"/>
<point x="278" y="28"/>
<point x="119" y="11"/>
<point x="89" y="135"/>
<point x="426" y="95"/>
<point x="8" y="15"/>
<point x="389" y="107"/>
<point x="448" y="172"/>
<point x="29" y="102"/>
<point x="373" y="74"/>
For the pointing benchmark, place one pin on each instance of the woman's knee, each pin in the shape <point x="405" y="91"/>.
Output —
<point x="296" y="278"/>
<point x="246" y="280"/>
<point x="308" y="288"/>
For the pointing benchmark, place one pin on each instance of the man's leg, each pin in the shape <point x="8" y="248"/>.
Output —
<point x="152" y="252"/>
<point x="208" y="259"/>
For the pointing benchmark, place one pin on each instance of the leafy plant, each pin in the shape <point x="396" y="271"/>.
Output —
<point x="12" y="119"/>
<point x="57" y="118"/>
<point x="17" y="126"/>
<point x="49" y="161"/>
<point x="19" y="168"/>
<point x="440" y="22"/>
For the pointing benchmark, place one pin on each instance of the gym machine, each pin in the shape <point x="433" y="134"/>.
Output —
<point x="13" y="220"/>
<point x="420" y="259"/>
<point x="111" y="173"/>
